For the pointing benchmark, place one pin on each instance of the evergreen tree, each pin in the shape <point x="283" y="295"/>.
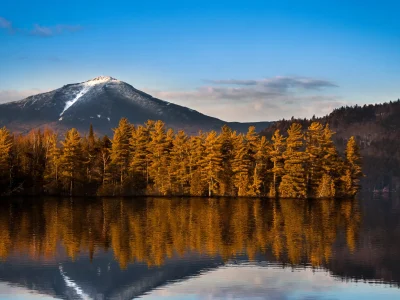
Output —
<point x="105" y="150"/>
<point x="179" y="164"/>
<point x="211" y="165"/>
<point x="71" y="160"/>
<point x="278" y="147"/>
<point x="5" y="149"/>
<point x="53" y="162"/>
<point x="261" y="178"/>
<point x="120" y="149"/>
<point x="293" y="183"/>
<point x="353" y="170"/>
<point x="326" y="187"/>
<point x="332" y="164"/>
<point x="241" y="166"/>
<point x="158" y="148"/>
<point x="252" y="141"/>
<point x="315" y="152"/>
<point x="227" y="139"/>
<point x="196" y="154"/>
<point x="139" y="159"/>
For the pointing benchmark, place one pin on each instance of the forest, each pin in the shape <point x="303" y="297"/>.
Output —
<point x="376" y="128"/>
<point x="152" y="160"/>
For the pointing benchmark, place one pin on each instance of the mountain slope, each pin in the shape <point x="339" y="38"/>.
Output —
<point x="103" y="101"/>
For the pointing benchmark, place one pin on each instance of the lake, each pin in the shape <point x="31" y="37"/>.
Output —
<point x="198" y="248"/>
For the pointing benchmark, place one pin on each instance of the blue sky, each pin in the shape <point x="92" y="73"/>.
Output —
<point x="236" y="60"/>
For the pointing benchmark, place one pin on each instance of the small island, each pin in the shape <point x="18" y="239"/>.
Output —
<point x="149" y="160"/>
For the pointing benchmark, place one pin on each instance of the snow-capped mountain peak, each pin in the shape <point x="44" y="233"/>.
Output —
<point x="86" y="86"/>
<point x="100" y="79"/>
<point x="102" y="102"/>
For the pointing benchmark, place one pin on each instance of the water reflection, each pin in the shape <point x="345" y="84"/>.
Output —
<point x="151" y="230"/>
<point x="124" y="248"/>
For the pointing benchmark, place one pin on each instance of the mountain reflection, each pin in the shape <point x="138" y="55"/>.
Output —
<point x="153" y="229"/>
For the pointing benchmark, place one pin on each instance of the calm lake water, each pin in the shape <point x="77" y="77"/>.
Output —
<point x="193" y="248"/>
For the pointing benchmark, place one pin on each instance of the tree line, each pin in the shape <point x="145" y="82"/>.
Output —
<point x="150" y="159"/>
<point x="151" y="230"/>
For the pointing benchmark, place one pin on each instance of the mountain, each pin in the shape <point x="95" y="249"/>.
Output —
<point x="377" y="131"/>
<point x="103" y="101"/>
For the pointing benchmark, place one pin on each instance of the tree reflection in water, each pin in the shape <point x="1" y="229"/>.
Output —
<point x="151" y="230"/>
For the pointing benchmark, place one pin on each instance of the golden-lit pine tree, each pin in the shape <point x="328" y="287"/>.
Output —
<point x="71" y="160"/>
<point x="120" y="149"/>
<point x="241" y="165"/>
<point x="35" y="156"/>
<point x="278" y="148"/>
<point x="139" y="158"/>
<point x="53" y="162"/>
<point x="227" y="138"/>
<point x="211" y="164"/>
<point x="293" y="184"/>
<point x="179" y="164"/>
<point x="90" y="153"/>
<point x="196" y="154"/>
<point x="326" y="187"/>
<point x="353" y="170"/>
<point x="252" y="141"/>
<point x="332" y="165"/>
<point x="158" y="150"/>
<point x="261" y="178"/>
<point x="5" y="151"/>
<point x="315" y="152"/>
<point x="105" y="158"/>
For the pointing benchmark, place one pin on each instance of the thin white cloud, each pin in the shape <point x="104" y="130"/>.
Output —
<point x="14" y="95"/>
<point x="45" y="31"/>
<point x="4" y="23"/>
<point x="259" y="100"/>
<point x="280" y="83"/>
<point x="39" y="30"/>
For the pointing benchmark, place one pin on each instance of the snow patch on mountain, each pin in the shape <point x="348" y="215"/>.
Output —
<point x="68" y="104"/>
<point x="78" y="290"/>
<point x="100" y="79"/>
<point x="97" y="82"/>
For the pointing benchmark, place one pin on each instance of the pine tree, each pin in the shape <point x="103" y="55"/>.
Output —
<point x="196" y="154"/>
<point x="293" y="183"/>
<point x="53" y="162"/>
<point x="158" y="148"/>
<point x="261" y="179"/>
<point x="227" y="139"/>
<point x="332" y="164"/>
<point x="179" y="164"/>
<point x="90" y="146"/>
<point x="241" y="166"/>
<point x="71" y="160"/>
<point x="326" y="187"/>
<point x="278" y="147"/>
<point x="139" y="158"/>
<point x="35" y="154"/>
<point x="5" y="149"/>
<point x="120" y="149"/>
<point x="315" y="152"/>
<point x="353" y="170"/>
<point x="105" y="150"/>
<point x="252" y="141"/>
<point x="211" y="165"/>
